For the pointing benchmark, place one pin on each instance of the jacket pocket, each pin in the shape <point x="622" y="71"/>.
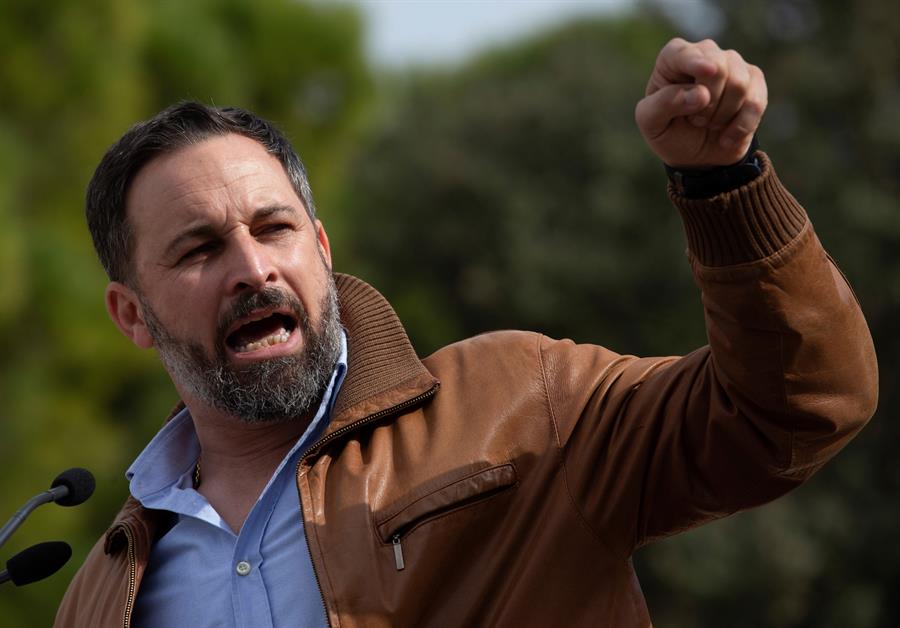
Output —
<point x="398" y="521"/>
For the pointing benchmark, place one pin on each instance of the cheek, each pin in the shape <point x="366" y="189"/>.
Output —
<point x="191" y="313"/>
<point x="310" y="285"/>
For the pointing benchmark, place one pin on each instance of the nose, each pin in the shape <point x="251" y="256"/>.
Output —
<point x="250" y="266"/>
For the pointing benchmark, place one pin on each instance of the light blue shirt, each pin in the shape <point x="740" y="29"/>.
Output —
<point x="200" y="573"/>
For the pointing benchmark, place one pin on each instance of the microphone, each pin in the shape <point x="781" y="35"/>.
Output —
<point x="36" y="563"/>
<point x="73" y="487"/>
<point x="70" y="488"/>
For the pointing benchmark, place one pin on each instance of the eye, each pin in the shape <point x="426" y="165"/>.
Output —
<point x="276" y="228"/>
<point x="205" y="248"/>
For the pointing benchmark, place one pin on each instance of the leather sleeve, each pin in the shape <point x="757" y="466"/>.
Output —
<point x="654" y="446"/>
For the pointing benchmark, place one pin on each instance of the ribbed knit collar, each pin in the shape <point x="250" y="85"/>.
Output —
<point x="383" y="368"/>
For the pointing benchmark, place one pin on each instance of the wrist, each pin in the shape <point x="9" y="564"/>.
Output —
<point x="710" y="182"/>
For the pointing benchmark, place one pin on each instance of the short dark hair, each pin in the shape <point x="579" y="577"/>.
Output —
<point x="177" y="126"/>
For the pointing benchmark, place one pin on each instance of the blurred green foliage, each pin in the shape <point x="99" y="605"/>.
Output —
<point x="513" y="191"/>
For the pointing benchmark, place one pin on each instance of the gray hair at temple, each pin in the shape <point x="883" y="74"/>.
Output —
<point x="177" y="126"/>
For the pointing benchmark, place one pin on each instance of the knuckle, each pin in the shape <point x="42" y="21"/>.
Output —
<point x="673" y="46"/>
<point x="742" y="128"/>
<point x="720" y="78"/>
<point x="754" y="108"/>
<point x="643" y="110"/>
<point x="740" y="82"/>
<point x="638" y="111"/>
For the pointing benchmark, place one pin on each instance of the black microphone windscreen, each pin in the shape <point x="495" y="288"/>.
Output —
<point x="80" y="483"/>
<point x="37" y="562"/>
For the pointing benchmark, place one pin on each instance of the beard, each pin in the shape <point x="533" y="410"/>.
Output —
<point x="276" y="390"/>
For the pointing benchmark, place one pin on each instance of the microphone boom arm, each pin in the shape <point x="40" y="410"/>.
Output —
<point x="55" y="493"/>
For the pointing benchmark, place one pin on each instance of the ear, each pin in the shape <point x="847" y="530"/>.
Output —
<point x="324" y="246"/>
<point x="125" y="310"/>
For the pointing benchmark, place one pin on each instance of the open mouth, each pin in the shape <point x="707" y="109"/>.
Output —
<point x="267" y="330"/>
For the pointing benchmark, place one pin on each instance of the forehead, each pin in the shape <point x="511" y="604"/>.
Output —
<point x="221" y="178"/>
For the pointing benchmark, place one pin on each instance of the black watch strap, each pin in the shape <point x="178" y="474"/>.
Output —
<point x="709" y="183"/>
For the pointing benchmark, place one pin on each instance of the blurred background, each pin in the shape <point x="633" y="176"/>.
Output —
<point x="479" y="164"/>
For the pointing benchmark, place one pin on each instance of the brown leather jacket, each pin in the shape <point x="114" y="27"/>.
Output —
<point x="507" y="479"/>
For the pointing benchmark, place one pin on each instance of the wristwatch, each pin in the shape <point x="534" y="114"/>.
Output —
<point x="709" y="183"/>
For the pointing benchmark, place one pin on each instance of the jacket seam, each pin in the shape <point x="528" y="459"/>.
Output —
<point x="784" y="400"/>
<point x="562" y="458"/>
<point x="753" y="268"/>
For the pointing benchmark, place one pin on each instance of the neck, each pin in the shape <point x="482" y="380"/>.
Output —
<point x="239" y="458"/>
<point x="231" y="445"/>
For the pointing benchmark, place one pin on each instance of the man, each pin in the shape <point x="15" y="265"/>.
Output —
<point x="319" y="473"/>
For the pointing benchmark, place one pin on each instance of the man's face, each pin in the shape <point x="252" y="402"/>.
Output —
<point x="233" y="284"/>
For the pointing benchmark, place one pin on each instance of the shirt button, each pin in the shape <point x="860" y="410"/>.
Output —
<point x="243" y="568"/>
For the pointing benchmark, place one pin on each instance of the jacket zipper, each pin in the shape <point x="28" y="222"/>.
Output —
<point x="372" y="417"/>
<point x="132" y="575"/>
<point x="398" y="553"/>
<point x="306" y="535"/>
<point x="337" y="433"/>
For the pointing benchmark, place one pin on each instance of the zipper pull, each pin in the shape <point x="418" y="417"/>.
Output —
<point x="398" y="552"/>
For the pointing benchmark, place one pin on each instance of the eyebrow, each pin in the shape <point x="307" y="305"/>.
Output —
<point x="207" y="230"/>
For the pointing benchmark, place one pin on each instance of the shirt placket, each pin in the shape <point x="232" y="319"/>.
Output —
<point x="251" y="599"/>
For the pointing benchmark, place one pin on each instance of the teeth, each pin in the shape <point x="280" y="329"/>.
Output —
<point x="268" y="341"/>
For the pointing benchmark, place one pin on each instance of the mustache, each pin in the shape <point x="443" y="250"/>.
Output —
<point x="268" y="297"/>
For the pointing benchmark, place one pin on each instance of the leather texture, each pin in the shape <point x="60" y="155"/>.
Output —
<point x="516" y="474"/>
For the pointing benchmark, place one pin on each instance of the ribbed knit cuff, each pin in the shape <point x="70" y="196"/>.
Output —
<point x="743" y="225"/>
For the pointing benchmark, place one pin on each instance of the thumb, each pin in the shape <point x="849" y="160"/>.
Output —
<point x="654" y="112"/>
